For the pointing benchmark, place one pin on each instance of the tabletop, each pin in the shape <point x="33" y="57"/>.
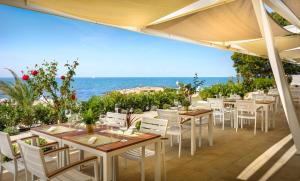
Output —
<point x="195" y="112"/>
<point x="110" y="141"/>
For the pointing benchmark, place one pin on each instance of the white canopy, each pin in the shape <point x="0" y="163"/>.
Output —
<point x="217" y="23"/>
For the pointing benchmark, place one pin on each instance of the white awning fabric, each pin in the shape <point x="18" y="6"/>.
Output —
<point x="225" y="24"/>
<point x="228" y="22"/>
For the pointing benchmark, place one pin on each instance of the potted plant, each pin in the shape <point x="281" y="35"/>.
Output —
<point x="187" y="90"/>
<point x="89" y="120"/>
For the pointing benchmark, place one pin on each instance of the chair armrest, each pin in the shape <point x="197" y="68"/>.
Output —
<point x="56" y="150"/>
<point x="184" y="120"/>
<point x="52" y="144"/>
<point x="259" y="108"/>
<point x="70" y="166"/>
<point x="25" y="138"/>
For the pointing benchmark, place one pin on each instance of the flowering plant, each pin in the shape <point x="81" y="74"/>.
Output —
<point x="58" y="94"/>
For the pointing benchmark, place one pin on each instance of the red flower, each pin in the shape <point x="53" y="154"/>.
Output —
<point x="73" y="97"/>
<point x="34" y="72"/>
<point x="62" y="77"/>
<point x="25" y="77"/>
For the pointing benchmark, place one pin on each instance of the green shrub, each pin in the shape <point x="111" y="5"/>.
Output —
<point x="11" y="131"/>
<point x="166" y="106"/>
<point x="138" y="111"/>
<point x="44" y="114"/>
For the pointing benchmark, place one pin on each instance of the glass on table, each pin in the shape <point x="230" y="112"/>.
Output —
<point x="123" y="129"/>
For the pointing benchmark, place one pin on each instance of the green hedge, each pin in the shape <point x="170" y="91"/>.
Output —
<point x="239" y="88"/>
<point x="139" y="102"/>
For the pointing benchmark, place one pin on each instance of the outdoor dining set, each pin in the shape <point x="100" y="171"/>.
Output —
<point x="112" y="139"/>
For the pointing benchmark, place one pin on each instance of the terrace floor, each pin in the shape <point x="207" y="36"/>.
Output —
<point x="232" y="152"/>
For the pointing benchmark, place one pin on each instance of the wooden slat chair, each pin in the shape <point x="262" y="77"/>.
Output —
<point x="247" y="110"/>
<point x="16" y="164"/>
<point x="114" y="119"/>
<point x="175" y="125"/>
<point x="34" y="160"/>
<point x="149" y="125"/>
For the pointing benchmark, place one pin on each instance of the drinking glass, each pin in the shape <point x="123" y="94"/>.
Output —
<point x="123" y="129"/>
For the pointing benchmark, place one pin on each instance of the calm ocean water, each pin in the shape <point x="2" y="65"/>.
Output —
<point x="87" y="87"/>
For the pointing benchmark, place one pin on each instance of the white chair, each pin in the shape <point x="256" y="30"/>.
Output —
<point x="175" y="126"/>
<point x="234" y="97"/>
<point x="35" y="164"/>
<point x="149" y="125"/>
<point x="114" y="119"/>
<point x="246" y="111"/>
<point x="15" y="164"/>
<point x="219" y="111"/>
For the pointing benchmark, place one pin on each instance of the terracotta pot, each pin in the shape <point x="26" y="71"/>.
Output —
<point x="89" y="128"/>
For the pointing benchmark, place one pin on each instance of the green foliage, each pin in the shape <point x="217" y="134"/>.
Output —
<point x="19" y="91"/>
<point x="44" y="114"/>
<point x="139" y="102"/>
<point x="225" y="89"/>
<point x="279" y="19"/>
<point x="44" y="84"/>
<point x="262" y="84"/>
<point x="166" y="106"/>
<point x="88" y="117"/>
<point x="138" y="111"/>
<point x="251" y="67"/>
<point x="11" y="131"/>
<point x="187" y="90"/>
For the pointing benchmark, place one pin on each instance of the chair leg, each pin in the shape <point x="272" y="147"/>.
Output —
<point x="142" y="166"/>
<point x="1" y="170"/>
<point x="242" y="123"/>
<point x="223" y="120"/>
<point x="125" y="162"/>
<point x="179" y="152"/>
<point x="200" y="135"/>
<point x="171" y="140"/>
<point x="16" y="176"/>
<point x="255" y="126"/>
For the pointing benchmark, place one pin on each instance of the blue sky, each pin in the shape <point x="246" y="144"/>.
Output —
<point x="28" y="38"/>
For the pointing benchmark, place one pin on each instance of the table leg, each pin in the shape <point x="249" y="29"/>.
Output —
<point x="107" y="161"/>
<point x="193" y="140"/>
<point x="210" y="130"/>
<point x="115" y="168"/>
<point x="200" y="132"/>
<point x="157" y="160"/>
<point x="266" y="108"/>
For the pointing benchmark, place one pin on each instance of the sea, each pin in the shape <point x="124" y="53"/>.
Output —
<point x="88" y="87"/>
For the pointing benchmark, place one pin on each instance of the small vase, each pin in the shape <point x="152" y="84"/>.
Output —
<point x="89" y="128"/>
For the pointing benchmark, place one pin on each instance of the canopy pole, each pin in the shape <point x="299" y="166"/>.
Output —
<point x="278" y="71"/>
<point x="284" y="11"/>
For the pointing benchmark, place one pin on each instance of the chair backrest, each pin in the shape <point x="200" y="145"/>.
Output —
<point x="171" y="115"/>
<point x="216" y="103"/>
<point x="115" y="119"/>
<point x="234" y="96"/>
<point x="6" y="146"/>
<point x="246" y="105"/>
<point x="33" y="159"/>
<point x="263" y="97"/>
<point x="154" y="125"/>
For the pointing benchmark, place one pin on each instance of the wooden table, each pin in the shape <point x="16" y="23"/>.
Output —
<point x="192" y="115"/>
<point x="266" y="104"/>
<point x="108" y="151"/>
